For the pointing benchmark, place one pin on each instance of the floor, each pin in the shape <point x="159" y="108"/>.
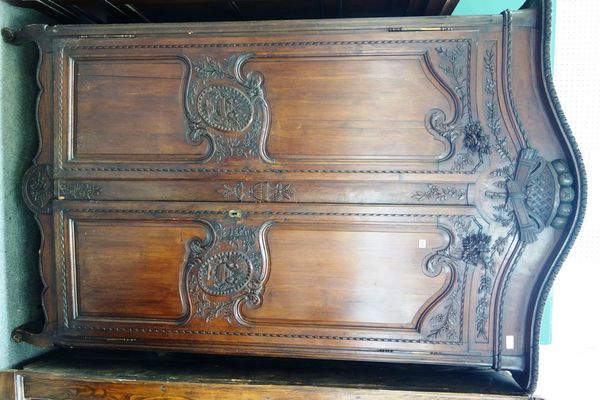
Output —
<point x="566" y="364"/>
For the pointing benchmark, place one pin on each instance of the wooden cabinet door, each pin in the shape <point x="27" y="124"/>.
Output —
<point x="354" y="191"/>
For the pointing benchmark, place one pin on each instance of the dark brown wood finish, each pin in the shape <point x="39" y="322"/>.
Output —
<point x="91" y="375"/>
<point x="358" y="189"/>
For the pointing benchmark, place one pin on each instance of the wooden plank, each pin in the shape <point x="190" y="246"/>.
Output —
<point x="73" y="375"/>
<point x="7" y="385"/>
<point x="58" y="387"/>
<point x="260" y="375"/>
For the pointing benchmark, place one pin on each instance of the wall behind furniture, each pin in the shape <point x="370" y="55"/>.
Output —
<point x="568" y="368"/>
<point x="20" y="285"/>
<point x="482" y="7"/>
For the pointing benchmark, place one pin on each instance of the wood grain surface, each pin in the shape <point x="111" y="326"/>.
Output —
<point x="387" y="190"/>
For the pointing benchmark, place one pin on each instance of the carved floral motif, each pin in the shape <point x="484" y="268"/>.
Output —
<point x="225" y="271"/>
<point x="529" y="194"/>
<point x="79" y="190"/>
<point x="257" y="192"/>
<point x="38" y="188"/>
<point x="440" y="194"/>
<point x="226" y="108"/>
<point x="475" y="144"/>
<point x="476" y="247"/>
<point x="475" y="140"/>
<point x="455" y="66"/>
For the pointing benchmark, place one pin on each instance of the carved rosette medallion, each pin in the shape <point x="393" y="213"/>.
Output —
<point x="226" y="109"/>
<point x="225" y="271"/>
<point x="38" y="188"/>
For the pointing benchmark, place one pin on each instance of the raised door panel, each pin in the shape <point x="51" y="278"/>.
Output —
<point x="129" y="269"/>
<point x="197" y="272"/>
<point x="329" y="108"/>
<point x="129" y="109"/>
<point x="330" y="104"/>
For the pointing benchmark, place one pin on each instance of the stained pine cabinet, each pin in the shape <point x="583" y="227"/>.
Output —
<point x="397" y="190"/>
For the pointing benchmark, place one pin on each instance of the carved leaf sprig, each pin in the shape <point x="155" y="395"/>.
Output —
<point x="233" y="191"/>
<point x="453" y="67"/>
<point x="454" y="64"/>
<point x="209" y="68"/>
<point x="462" y="160"/>
<point x="209" y="310"/>
<point x="493" y="114"/>
<point x="444" y="324"/>
<point x="79" y="190"/>
<point x="488" y="64"/>
<point x="239" y="234"/>
<point x="440" y="194"/>
<point x="481" y="312"/>
<point x="245" y="147"/>
<point x="253" y="85"/>
<point x="503" y="215"/>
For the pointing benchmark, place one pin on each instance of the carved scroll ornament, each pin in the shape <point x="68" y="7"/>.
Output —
<point x="225" y="271"/>
<point x="226" y="108"/>
<point x="531" y="194"/>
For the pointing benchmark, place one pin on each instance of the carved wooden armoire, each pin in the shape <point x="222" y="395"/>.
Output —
<point x="399" y="190"/>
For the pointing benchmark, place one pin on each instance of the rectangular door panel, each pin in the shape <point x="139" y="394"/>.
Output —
<point x="130" y="269"/>
<point x="129" y="109"/>
<point x="348" y="275"/>
<point x="351" y="108"/>
<point x="255" y="269"/>
<point x="346" y="104"/>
